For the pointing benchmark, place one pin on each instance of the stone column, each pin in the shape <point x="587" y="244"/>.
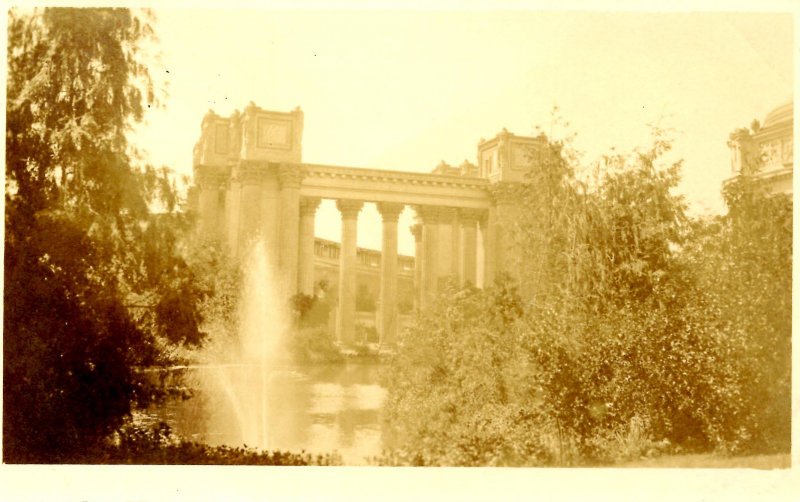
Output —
<point x="346" y="315"/>
<point x="448" y="244"/>
<point x="234" y="199"/>
<point x="305" y="271"/>
<point x="429" y="278"/>
<point x="250" y="204"/>
<point x="208" y="205"/>
<point x="388" y="310"/>
<point x="503" y="213"/>
<point x="455" y="263"/>
<point x="468" y="247"/>
<point x="290" y="178"/>
<point x="487" y="225"/>
<point x="271" y="218"/>
<point x="446" y="215"/>
<point x="416" y="231"/>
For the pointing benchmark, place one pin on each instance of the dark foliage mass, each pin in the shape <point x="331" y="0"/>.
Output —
<point x="628" y="330"/>
<point x="157" y="445"/>
<point x="96" y="285"/>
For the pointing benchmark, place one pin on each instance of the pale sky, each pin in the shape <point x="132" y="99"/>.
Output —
<point x="406" y="89"/>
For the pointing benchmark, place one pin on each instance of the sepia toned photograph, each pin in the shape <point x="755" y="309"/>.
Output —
<point x="390" y="237"/>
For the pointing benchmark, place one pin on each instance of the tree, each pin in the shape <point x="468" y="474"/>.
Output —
<point x="607" y="349"/>
<point x="459" y="385"/>
<point x="96" y="287"/>
<point x="744" y="261"/>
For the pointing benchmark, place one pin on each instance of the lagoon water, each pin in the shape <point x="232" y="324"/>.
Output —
<point x="319" y="409"/>
<point x="248" y="395"/>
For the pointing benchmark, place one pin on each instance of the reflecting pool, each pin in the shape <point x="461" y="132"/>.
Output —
<point x="319" y="409"/>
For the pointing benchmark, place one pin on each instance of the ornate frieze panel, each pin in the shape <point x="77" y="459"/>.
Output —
<point x="274" y="133"/>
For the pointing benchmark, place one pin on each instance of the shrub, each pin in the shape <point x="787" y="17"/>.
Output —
<point x="621" y="338"/>
<point x="312" y="345"/>
<point x="458" y="383"/>
<point x="159" y="445"/>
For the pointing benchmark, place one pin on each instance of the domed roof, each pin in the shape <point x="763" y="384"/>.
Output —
<point x="783" y="113"/>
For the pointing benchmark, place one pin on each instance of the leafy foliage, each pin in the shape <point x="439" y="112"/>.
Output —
<point x="312" y="345"/>
<point x="744" y="262"/>
<point x="458" y="387"/>
<point x="629" y="330"/>
<point x="96" y="283"/>
<point x="158" y="445"/>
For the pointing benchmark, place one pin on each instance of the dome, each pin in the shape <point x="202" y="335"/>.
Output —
<point x="781" y="114"/>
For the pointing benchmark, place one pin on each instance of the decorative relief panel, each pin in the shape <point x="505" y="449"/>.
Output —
<point x="274" y="133"/>
<point x="520" y="155"/>
<point x="771" y="153"/>
<point x="221" y="138"/>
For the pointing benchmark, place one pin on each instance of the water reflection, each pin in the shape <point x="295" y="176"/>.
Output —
<point x="319" y="409"/>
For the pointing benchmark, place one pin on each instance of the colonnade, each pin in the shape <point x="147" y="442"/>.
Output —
<point x="452" y="243"/>
<point x="252" y="182"/>
<point x="446" y="246"/>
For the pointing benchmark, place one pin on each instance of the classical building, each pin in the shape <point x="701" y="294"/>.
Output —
<point x="251" y="181"/>
<point x="765" y="151"/>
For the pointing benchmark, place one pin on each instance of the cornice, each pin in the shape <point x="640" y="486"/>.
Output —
<point x="290" y="176"/>
<point x="397" y="177"/>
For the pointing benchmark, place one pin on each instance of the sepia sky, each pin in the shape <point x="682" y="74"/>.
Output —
<point x="405" y="89"/>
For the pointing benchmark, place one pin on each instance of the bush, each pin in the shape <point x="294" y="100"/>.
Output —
<point x="458" y="385"/>
<point x="312" y="345"/>
<point x="158" y="445"/>
<point x="366" y="334"/>
<point x="629" y="333"/>
<point x="743" y="260"/>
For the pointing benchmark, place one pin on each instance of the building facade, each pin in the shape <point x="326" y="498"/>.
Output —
<point x="250" y="182"/>
<point x="766" y="150"/>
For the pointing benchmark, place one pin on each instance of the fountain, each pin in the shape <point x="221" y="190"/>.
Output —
<point x="261" y="333"/>
<point x="249" y="391"/>
<point x="263" y="315"/>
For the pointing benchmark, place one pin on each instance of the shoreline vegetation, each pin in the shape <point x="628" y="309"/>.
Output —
<point x="158" y="445"/>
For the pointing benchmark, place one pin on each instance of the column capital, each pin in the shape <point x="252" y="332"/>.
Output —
<point x="471" y="215"/>
<point x="428" y="214"/>
<point x="349" y="208"/>
<point x="208" y="181"/>
<point x="250" y="174"/>
<point x="290" y="176"/>
<point x="416" y="231"/>
<point x="309" y="205"/>
<point x="446" y="214"/>
<point x="209" y="175"/>
<point x="390" y="211"/>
